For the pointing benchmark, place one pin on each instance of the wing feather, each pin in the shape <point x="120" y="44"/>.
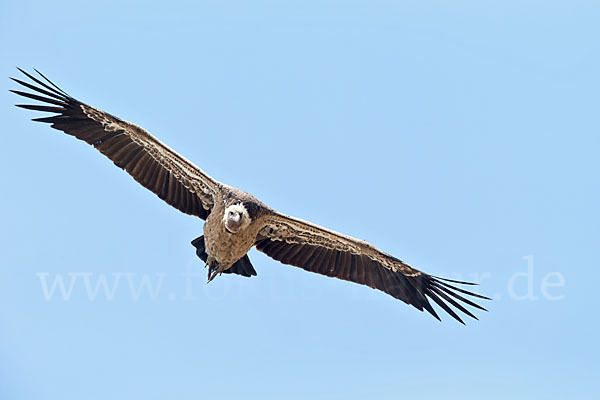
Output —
<point x="316" y="249"/>
<point x="150" y="162"/>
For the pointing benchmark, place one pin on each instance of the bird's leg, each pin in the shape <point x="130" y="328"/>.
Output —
<point x="213" y="269"/>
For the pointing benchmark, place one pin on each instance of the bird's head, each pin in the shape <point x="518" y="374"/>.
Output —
<point x="236" y="218"/>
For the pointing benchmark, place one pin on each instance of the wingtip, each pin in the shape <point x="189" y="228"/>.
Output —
<point x="456" y="281"/>
<point x="51" y="83"/>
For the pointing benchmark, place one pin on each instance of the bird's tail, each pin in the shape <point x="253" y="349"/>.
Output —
<point x="243" y="266"/>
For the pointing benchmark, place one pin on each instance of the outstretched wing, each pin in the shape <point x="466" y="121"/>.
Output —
<point x="158" y="168"/>
<point x="316" y="249"/>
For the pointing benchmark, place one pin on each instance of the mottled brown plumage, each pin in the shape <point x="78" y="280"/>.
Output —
<point x="235" y="220"/>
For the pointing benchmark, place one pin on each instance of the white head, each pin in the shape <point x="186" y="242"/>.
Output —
<point x="236" y="218"/>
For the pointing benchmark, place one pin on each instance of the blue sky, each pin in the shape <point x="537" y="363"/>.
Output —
<point x="460" y="136"/>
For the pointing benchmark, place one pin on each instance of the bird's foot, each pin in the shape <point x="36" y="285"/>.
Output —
<point x="213" y="270"/>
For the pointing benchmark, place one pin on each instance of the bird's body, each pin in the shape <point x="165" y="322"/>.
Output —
<point x="235" y="220"/>
<point x="223" y="247"/>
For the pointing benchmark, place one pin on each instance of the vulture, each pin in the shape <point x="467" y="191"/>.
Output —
<point x="235" y="221"/>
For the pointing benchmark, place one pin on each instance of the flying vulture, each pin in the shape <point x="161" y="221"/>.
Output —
<point x="236" y="221"/>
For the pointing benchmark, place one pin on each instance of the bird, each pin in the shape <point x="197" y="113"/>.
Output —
<point x="236" y="221"/>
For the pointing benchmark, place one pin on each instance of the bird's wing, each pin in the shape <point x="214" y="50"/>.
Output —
<point x="316" y="249"/>
<point x="158" y="168"/>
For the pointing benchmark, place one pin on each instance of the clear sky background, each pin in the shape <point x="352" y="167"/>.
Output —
<point x="462" y="137"/>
